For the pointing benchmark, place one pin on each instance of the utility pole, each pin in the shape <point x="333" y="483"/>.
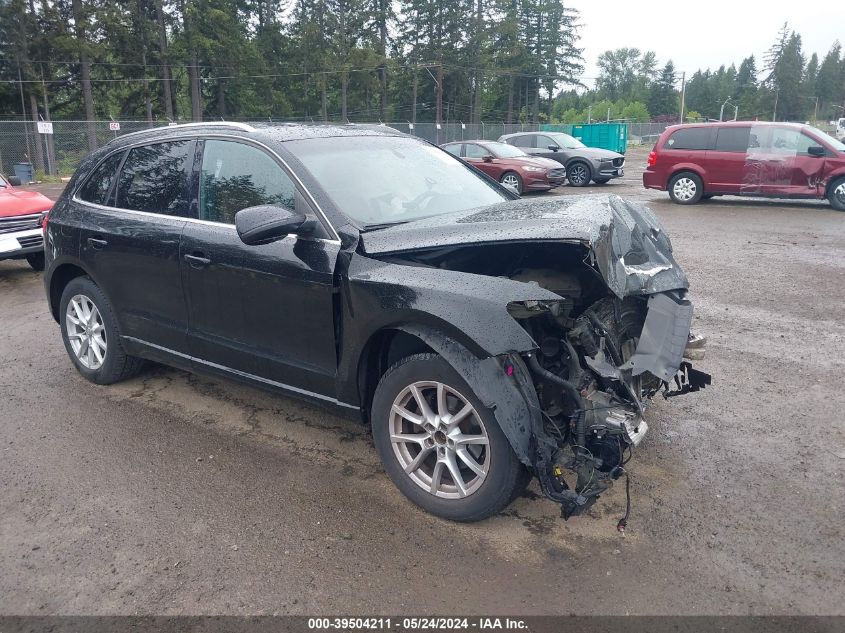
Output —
<point x="438" y="82"/>
<point x="23" y="112"/>
<point x="683" y="94"/>
<point x="775" y="112"/>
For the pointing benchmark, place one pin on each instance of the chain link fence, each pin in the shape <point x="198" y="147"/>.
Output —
<point x="59" y="153"/>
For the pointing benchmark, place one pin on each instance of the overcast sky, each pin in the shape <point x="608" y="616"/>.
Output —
<point x="704" y="34"/>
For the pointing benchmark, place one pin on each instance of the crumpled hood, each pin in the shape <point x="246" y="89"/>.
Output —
<point x="628" y="243"/>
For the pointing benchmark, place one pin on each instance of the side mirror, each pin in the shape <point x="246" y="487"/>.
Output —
<point x="554" y="148"/>
<point x="14" y="181"/>
<point x="487" y="158"/>
<point x="815" y="150"/>
<point x="266" y="223"/>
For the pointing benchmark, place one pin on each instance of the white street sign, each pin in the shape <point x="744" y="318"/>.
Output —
<point x="114" y="126"/>
<point x="45" y="127"/>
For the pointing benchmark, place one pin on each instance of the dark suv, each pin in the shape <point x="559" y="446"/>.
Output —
<point x="484" y="338"/>
<point x="747" y="158"/>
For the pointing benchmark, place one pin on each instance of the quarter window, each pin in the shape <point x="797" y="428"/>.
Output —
<point x="732" y="139"/>
<point x="236" y="176"/>
<point x="693" y="138"/>
<point x="154" y="178"/>
<point x="97" y="187"/>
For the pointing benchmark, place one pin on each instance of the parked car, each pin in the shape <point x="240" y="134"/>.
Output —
<point x="776" y="160"/>
<point x="22" y="216"/>
<point x="484" y="338"/>
<point x="840" y="130"/>
<point x="582" y="163"/>
<point x="509" y="165"/>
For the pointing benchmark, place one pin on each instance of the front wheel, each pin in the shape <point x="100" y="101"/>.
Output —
<point x="836" y="195"/>
<point x="512" y="180"/>
<point x="578" y="174"/>
<point x="36" y="261"/>
<point x="441" y="447"/>
<point x="685" y="188"/>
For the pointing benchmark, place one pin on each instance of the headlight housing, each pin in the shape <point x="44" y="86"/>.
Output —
<point x="535" y="169"/>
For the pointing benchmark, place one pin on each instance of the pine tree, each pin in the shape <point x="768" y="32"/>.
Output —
<point x="663" y="98"/>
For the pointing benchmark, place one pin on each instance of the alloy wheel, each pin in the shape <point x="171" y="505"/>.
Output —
<point x="86" y="331"/>
<point x="510" y="180"/>
<point x="684" y="189"/>
<point x="439" y="439"/>
<point x="578" y="174"/>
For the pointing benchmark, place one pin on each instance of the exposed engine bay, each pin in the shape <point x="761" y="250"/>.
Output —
<point x="599" y="359"/>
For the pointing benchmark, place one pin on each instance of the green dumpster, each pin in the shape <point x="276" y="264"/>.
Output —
<point x="612" y="136"/>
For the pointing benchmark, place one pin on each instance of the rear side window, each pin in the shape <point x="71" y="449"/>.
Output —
<point x="732" y="139"/>
<point x="96" y="189"/>
<point x="523" y="141"/>
<point x="236" y="176"/>
<point x="154" y="178"/>
<point x="690" y="138"/>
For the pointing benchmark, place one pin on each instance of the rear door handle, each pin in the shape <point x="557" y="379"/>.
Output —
<point x="97" y="243"/>
<point x="197" y="261"/>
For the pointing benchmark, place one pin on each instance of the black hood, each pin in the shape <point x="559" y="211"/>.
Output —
<point x="630" y="247"/>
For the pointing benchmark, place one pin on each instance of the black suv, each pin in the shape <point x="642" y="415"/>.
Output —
<point x="484" y="338"/>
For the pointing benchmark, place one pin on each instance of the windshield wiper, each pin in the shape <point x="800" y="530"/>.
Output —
<point x="383" y="225"/>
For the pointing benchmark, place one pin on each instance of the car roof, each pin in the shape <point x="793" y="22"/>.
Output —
<point x="275" y="132"/>
<point x="796" y="126"/>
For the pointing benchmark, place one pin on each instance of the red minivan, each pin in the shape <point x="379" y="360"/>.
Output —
<point x="747" y="158"/>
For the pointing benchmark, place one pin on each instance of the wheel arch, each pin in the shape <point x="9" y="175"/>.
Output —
<point x="832" y="180"/>
<point x="688" y="167"/>
<point x="60" y="277"/>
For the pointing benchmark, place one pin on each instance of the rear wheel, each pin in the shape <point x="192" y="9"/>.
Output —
<point x="578" y="174"/>
<point x="685" y="188"/>
<point x="90" y="335"/>
<point x="512" y="180"/>
<point x="836" y="194"/>
<point x="36" y="261"/>
<point x="441" y="447"/>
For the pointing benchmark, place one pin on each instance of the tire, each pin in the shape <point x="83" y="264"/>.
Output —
<point x="513" y="179"/>
<point x="685" y="188"/>
<point x="707" y="196"/>
<point x="479" y="496"/>
<point x="578" y="174"/>
<point x="836" y="194"/>
<point x="36" y="261"/>
<point x="99" y="357"/>
<point x="601" y="181"/>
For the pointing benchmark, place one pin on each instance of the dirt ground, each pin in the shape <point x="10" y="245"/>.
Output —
<point x="180" y="494"/>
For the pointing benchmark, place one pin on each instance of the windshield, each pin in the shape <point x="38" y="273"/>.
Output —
<point x="565" y="141"/>
<point x="503" y="150"/>
<point x="827" y="138"/>
<point x="379" y="180"/>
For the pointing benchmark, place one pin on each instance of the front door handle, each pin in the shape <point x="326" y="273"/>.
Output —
<point x="197" y="261"/>
<point x="97" y="243"/>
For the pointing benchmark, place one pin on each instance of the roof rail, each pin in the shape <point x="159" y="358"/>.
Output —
<point x="230" y="124"/>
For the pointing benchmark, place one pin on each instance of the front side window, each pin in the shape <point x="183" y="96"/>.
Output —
<point x="96" y="189"/>
<point x="566" y="142"/>
<point x="236" y="176"/>
<point x="154" y="178"/>
<point x="692" y="138"/>
<point x="378" y="180"/>
<point x="545" y="142"/>
<point x="790" y="141"/>
<point x="476" y="151"/>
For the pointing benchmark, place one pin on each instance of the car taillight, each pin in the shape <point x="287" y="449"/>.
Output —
<point x="652" y="158"/>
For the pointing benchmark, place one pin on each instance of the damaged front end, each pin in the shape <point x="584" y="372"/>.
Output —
<point x="593" y="282"/>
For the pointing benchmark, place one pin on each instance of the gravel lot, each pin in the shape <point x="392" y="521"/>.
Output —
<point x="180" y="494"/>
